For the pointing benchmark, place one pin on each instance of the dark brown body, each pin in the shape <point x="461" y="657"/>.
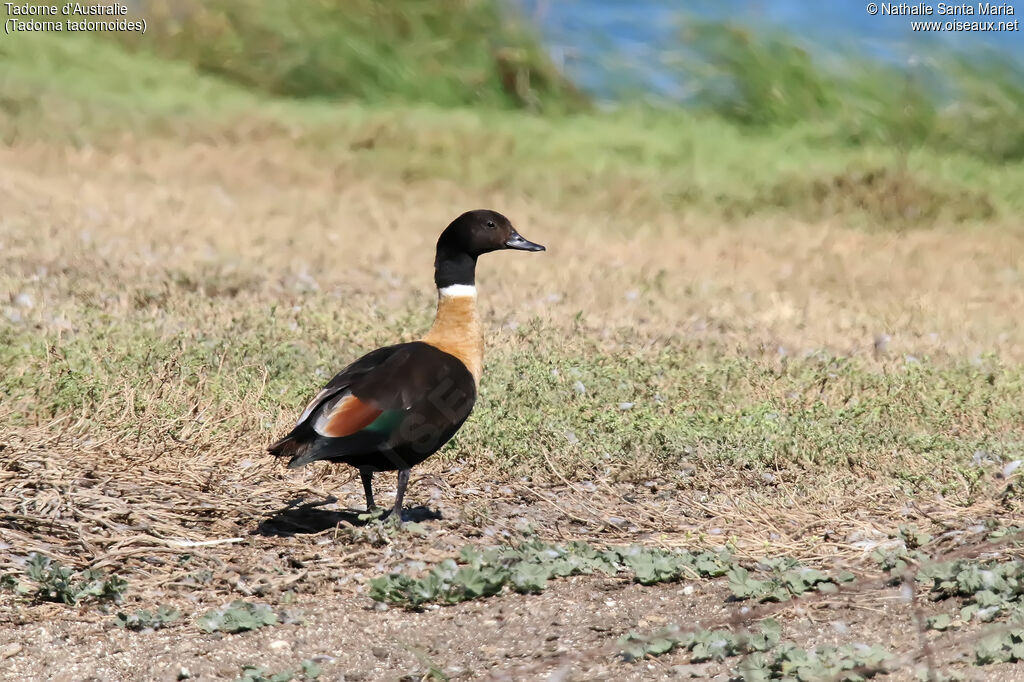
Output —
<point x="424" y="395"/>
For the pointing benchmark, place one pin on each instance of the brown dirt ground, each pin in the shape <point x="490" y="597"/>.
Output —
<point x="565" y="633"/>
<point x="298" y="550"/>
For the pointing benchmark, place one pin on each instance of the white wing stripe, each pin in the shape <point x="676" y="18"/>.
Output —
<point x="314" y="402"/>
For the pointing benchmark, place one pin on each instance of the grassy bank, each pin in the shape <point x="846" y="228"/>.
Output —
<point x="717" y="161"/>
<point x="448" y="53"/>
<point x="962" y="104"/>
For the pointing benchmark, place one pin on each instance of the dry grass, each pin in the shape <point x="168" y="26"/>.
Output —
<point x="262" y="217"/>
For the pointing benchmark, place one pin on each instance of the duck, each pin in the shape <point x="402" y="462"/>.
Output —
<point x="396" y="406"/>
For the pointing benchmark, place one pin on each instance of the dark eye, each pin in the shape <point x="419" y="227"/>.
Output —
<point x="490" y="223"/>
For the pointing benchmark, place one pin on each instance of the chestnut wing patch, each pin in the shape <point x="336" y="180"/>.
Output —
<point x="339" y="385"/>
<point x="344" y="416"/>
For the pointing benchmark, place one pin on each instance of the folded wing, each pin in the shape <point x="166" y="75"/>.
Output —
<point x="408" y="398"/>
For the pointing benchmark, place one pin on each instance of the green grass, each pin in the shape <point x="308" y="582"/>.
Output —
<point x="78" y="88"/>
<point x="447" y="52"/>
<point x="768" y="81"/>
<point x="677" y="160"/>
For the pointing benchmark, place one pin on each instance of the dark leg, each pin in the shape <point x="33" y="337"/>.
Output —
<point x="403" y="481"/>
<point x="367" y="477"/>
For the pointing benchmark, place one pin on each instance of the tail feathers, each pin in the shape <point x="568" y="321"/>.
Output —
<point x="301" y="453"/>
<point x="284" y="447"/>
<point x="305" y="455"/>
<point x="304" y="450"/>
<point x="290" y="447"/>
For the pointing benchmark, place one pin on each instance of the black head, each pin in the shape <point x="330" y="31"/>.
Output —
<point x="471" y="234"/>
<point x="483" y="231"/>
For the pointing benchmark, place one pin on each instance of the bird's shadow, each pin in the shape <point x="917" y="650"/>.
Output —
<point x="305" y="518"/>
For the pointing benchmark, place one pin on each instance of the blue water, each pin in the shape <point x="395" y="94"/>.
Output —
<point x="600" y="42"/>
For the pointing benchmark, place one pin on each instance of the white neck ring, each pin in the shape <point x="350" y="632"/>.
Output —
<point x="457" y="290"/>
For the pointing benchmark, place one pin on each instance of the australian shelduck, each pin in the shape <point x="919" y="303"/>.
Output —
<point x="395" y="406"/>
